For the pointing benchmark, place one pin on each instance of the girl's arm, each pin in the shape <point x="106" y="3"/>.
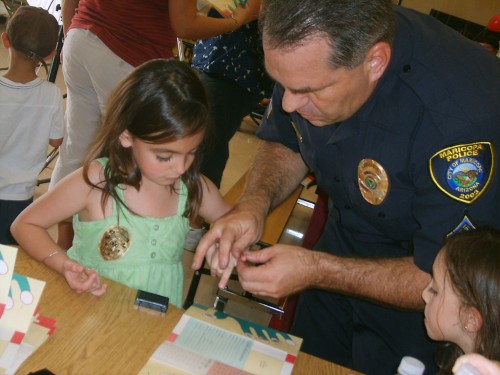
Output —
<point x="213" y="204"/>
<point x="68" y="197"/>
<point x="188" y="24"/>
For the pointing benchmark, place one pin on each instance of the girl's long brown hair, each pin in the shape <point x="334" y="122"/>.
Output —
<point x="472" y="260"/>
<point x="160" y="101"/>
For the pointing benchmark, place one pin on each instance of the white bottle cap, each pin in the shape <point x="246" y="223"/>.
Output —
<point x="411" y="366"/>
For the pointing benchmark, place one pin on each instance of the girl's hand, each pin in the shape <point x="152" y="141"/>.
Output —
<point x="82" y="279"/>
<point x="215" y="270"/>
<point x="247" y="12"/>
<point x="235" y="232"/>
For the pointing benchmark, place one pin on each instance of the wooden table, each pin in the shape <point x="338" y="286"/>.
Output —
<point x="107" y="335"/>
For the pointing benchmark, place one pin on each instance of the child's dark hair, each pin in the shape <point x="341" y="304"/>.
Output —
<point x="160" y="101"/>
<point x="472" y="260"/>
<point x="33" y="32"/>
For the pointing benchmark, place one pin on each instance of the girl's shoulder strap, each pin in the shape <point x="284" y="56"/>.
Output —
<point x="183" y="195"/>
<point x="103" y="161"/>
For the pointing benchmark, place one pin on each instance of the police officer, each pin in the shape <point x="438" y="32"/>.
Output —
<point x="398" y="117"/>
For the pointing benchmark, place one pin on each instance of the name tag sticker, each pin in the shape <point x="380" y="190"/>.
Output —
<point x="463" y="172"/>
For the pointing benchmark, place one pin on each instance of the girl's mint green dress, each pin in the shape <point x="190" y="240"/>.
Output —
<point x="153" y="261"/>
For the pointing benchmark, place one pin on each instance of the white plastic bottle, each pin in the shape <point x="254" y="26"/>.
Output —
<point x="410" y="366"/>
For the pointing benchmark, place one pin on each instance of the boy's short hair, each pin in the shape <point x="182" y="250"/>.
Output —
<point x="33" y="31"/>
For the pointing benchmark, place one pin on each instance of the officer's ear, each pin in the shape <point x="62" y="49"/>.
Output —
<point x="377" y="59"/>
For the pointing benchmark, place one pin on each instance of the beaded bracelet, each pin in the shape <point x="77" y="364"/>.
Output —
<point x="50" y="255"/>
<point x="236" y="22"/>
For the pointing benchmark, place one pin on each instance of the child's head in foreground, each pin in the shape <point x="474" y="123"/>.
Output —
<point x="159" y="105"/>
<point x="33" y="33"/>
<point x="463" y="297"/>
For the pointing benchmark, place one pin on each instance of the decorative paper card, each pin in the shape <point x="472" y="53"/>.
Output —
<point x="37" y="334"/>
<point x="24" y="294"/>
<point x="17" y="317"/>
<point x="8" y="256"/>
<point x="205" y="338"/>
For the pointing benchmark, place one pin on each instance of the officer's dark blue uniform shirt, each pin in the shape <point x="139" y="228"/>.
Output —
<point x="432" y="128"/>
<point x="436" y="94"/>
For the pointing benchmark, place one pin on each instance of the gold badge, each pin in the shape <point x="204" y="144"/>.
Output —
<point x="114" y="243"/>
<point x="373" y="181"/>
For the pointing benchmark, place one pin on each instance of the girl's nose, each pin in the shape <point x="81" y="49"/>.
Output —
<point x="181" y="165"/>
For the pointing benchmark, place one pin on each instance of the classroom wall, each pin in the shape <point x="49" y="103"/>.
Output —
<point x="478" y="11"/>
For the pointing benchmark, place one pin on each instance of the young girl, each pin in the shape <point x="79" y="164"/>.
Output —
<point x="463" y="297"/>
<point x="132" y="205"/>
<point x="32" y="111"/>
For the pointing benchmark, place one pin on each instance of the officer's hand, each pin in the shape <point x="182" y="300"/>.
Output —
<point x="234" y="233"/>
<point x="276" y="271"/>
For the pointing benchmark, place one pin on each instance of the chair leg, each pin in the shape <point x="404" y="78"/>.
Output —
<point x="50" y="157"/>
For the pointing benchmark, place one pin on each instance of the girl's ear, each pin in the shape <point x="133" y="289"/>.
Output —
<point x="473" y="321"/>
<point x="125" y="139"/>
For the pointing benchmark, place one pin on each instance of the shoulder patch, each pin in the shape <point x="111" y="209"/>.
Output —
<point x="465" y="225"/>
<point x="463" y="172"/>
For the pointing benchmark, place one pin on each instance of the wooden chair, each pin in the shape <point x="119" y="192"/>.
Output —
<point x="12" y="5"/>
<point x="185" y="50"/>
<point x="311" y="237"/>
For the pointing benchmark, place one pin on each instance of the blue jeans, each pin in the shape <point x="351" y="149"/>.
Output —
<point x="9" y="210"/>
<point x="230" y="103"/>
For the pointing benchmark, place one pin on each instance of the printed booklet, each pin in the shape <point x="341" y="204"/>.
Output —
<point x="206" y="341"/>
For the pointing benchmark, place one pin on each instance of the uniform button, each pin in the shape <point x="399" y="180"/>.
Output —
<point x="153" y="242"/>
<point x="381" y="215"/>
<point x="156" y="227"/>
<point x="153" y="255"/>
<point x="407" y="68"/>
<point x="347" y="207"/>
<point x="337" y="179"/>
